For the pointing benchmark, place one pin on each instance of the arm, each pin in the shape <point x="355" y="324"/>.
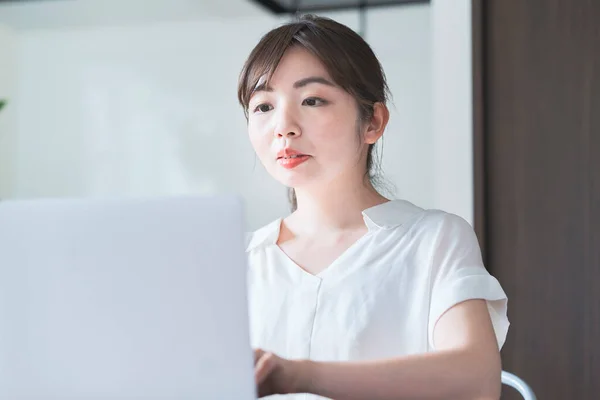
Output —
<point x="465" y="365"/>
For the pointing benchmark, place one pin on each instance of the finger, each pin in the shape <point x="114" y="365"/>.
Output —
<point x="264" y="367"/>
<point x="258" y="353"/>
<point x="261" y="368"/>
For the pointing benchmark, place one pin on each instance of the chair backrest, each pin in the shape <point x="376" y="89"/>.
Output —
<point x="519" y="384"/>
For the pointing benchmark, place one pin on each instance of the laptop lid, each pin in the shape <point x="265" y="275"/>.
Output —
<point x="124" y="299"/>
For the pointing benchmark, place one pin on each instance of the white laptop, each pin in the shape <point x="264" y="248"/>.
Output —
<point x="124" y="299"/>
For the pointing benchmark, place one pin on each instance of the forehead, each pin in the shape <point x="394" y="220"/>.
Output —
<point x="296" y="63"/>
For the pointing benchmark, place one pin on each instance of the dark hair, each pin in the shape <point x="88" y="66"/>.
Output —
<point x="348" y="59"/>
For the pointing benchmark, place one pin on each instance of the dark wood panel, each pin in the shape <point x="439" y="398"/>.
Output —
<point x="591" y="126"/>
<point x="477" y="15"/>
<point x="541" y="187"/>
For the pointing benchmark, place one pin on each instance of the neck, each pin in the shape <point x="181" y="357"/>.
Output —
<point x="336" y="207"/>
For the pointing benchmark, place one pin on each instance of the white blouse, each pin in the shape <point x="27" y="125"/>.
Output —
<point x="381" y="298"/>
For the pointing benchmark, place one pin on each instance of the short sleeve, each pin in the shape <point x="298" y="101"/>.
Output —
<point x="458" y="274"/>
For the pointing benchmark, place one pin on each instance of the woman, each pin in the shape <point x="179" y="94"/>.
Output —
<point x="354" y="296"/>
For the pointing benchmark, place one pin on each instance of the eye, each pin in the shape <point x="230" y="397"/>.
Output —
<point x="263" y="108"/>
<point x="314" y="102"/>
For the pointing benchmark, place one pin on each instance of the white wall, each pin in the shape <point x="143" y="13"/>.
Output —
<point x="145" y="110"/>
<point x="8" y="132"/>
<point x="452" y="107"/>
<point x="150" y="108"/>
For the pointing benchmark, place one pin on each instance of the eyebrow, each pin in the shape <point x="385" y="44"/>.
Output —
<point x="312" y="79"/>
<point x="298" y="84"/>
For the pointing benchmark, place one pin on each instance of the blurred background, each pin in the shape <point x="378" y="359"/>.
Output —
<point x="138" y="97"/>
<point x="495" y="117"/>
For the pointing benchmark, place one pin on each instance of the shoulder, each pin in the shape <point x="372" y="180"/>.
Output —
<point x="441" y="223"/>
<point x="264" y="235"/>
<point x="439" y="232"/>
<point x="430" y="232"/>
<point x="429" y="222"/>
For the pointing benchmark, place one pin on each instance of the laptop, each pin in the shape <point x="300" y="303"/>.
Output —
<point x="124" y="299"/>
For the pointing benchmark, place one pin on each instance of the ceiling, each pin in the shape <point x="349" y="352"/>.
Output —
<point x="33" y="14"/>
<point x="290" y="6"/>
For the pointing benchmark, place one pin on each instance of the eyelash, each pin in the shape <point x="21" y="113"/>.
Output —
<point x="320" y="102"/>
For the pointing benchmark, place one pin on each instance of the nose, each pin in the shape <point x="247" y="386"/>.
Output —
<point x="287" y="125"/>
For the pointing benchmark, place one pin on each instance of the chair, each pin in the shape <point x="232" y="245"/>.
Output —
<point x="519" y="384"/>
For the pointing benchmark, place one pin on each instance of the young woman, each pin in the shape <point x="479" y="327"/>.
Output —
<point x="354" y="296"/>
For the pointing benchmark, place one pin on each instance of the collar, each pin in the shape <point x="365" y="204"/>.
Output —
<point x="388" y="215"/>
<point x="266" y="235"/>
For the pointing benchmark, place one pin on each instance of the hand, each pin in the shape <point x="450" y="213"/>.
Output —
<point x="275" y="375"/>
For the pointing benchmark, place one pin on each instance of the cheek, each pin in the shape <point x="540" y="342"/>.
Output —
<point x="338" y="136"/>
<point x="260" y="140"/>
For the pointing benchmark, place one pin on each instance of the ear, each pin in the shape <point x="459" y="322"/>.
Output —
<point x="376" y="127"/>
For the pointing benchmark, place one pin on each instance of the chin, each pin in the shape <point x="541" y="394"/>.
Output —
<point x="291" y="183"/>
<point x="292" y="179"/>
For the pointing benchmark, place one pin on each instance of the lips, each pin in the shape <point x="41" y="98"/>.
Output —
<point x="289" y="153"/>
<point x="290" y="158"/>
